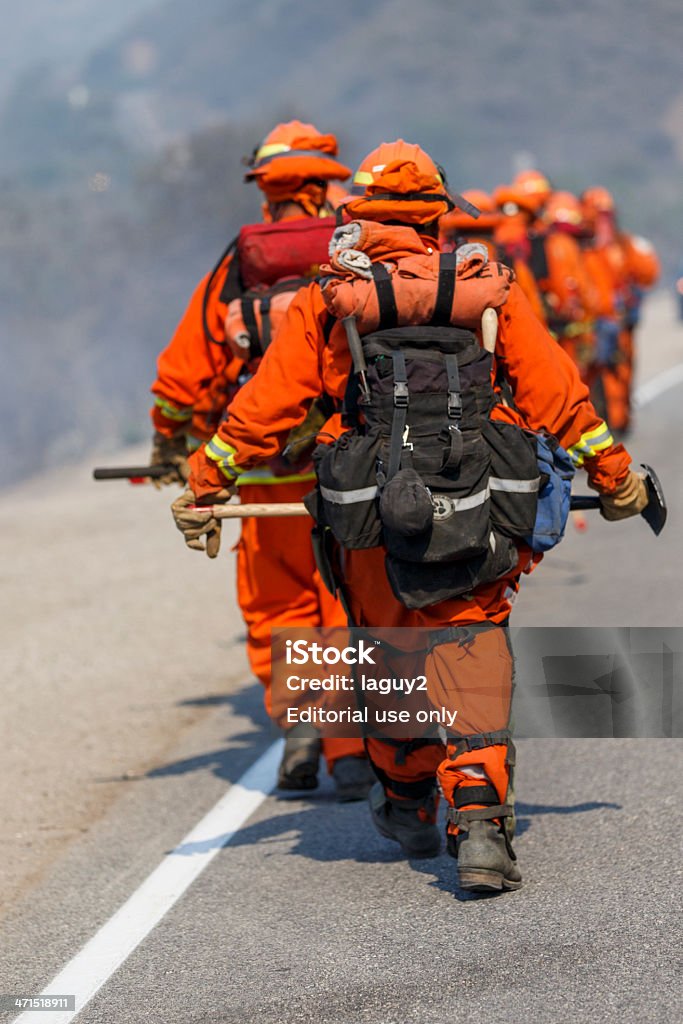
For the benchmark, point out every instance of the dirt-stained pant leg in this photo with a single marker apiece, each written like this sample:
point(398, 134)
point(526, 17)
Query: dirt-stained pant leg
point(470, 671)
point(278, 584)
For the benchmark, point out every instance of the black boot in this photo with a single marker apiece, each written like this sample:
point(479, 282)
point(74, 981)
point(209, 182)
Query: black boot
point(401, 821)
point(486, 860)
point(300, 758)
point(353, 778)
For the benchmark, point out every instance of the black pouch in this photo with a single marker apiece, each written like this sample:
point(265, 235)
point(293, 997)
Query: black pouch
point(347, 488)
point(515, 479)
point(460, 522)
point(406, 505)
point(420, 585)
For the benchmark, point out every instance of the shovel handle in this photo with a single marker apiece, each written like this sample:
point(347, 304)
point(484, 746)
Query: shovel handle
point(132, 472)
point(246, 511)
point(297, 508)
point(583, 502)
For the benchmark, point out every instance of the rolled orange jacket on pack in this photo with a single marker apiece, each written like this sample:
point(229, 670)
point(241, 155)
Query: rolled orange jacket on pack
point(414, 262)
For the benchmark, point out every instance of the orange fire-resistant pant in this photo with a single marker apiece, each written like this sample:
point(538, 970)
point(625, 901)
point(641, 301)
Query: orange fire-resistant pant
point(278, 584)
point(471, 675)
point(617, 382)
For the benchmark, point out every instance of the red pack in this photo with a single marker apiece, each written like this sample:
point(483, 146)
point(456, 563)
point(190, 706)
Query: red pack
point(292, 248)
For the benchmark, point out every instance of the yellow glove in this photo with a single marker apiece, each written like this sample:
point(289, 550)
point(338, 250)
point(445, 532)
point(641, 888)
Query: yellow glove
point(197, 523)
point(171, 450)
point(629, 499)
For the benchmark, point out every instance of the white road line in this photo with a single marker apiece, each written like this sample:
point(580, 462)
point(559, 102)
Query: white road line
point(653, 388)
point(124, 931)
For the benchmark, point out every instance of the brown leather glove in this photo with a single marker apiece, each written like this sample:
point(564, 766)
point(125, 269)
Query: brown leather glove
point(195, 523)
point(171, 450)
point(629, 499)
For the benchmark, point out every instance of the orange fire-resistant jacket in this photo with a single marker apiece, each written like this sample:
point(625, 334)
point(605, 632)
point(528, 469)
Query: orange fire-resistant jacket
point(569, 293)
point(195, 376)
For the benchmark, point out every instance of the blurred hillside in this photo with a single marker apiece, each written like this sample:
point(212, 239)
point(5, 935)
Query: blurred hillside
point(120, 153)
point(42, 30)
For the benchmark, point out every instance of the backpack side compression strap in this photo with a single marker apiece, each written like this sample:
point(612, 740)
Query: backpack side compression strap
point(249, 317)
point(388, 313)
point(400, 417)
point(446, 289)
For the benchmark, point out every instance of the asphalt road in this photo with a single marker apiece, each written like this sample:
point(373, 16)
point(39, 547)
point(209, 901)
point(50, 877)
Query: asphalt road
point(307, 915)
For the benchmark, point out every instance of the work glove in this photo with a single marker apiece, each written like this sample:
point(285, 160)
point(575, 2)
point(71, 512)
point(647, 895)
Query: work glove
point(171, 450)
point(629, 499)
point(196, 523)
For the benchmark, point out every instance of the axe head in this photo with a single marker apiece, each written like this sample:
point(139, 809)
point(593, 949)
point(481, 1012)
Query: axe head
point(655, 511)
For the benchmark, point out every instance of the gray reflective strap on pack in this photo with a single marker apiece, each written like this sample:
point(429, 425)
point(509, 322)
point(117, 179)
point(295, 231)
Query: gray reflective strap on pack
point(348, 497)
point(497, 483)
point(400, 417)
point(455, 452)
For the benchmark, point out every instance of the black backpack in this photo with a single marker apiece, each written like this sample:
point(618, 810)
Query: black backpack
point(423, 469)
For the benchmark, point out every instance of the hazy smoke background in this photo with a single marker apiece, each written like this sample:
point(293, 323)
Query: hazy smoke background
point(122, 128)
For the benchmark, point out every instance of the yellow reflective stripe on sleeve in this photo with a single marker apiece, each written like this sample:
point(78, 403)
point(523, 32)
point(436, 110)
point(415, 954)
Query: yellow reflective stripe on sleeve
point(590, 443)
point(173, 412)
point(223, 455)
point(577, 328)
point(264, 476)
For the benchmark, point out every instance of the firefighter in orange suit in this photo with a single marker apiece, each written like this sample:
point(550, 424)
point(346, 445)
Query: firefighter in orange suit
point(628, 266)
point(210, 355)
point(458, 226)
point(399, 184)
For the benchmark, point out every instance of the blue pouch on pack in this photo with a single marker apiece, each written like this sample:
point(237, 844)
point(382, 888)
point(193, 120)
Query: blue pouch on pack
point(554, 497)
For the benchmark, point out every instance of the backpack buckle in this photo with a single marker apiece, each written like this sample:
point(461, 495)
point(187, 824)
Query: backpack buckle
point(454, 405)
point(401, 394)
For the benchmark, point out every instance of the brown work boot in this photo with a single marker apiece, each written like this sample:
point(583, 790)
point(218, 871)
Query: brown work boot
point(353, 778)
point(300, 759)
point(411, 823)
point(486, 860)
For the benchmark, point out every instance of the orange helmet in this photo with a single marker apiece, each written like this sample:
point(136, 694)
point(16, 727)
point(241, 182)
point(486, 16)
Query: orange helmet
point(535, 187)
point(511, 200)
point(461, 222)
point(290, 157)
point(399, 181)
point(597, 200)
point(563, 210)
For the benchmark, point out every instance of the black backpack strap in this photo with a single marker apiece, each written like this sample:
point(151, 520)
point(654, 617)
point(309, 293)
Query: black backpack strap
point(328, 326)
point(249, 317)
point(538, 260)
point(266, 332)
point(455, 439)
point(388, 313)
point(400, 417)
point(446, 289)
point(233, 276)
point(232, 286)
